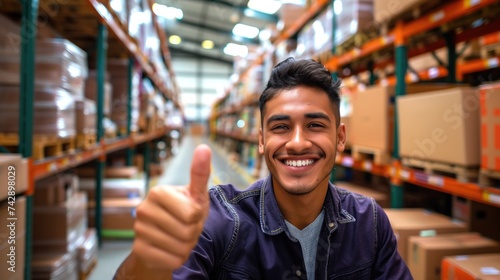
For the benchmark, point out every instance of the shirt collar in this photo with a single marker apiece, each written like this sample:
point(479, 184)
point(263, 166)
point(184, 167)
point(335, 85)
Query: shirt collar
point(272, 221)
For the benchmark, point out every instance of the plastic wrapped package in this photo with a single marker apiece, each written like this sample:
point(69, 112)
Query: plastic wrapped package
point(119, 104)
point(58, 63)
point(87, 251)
point(54, 111)
point(355, 16)
point(91, 90)
point(86, 116)
point(51, 266)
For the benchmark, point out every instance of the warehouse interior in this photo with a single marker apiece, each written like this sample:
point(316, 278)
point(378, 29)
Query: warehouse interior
point(104, 100)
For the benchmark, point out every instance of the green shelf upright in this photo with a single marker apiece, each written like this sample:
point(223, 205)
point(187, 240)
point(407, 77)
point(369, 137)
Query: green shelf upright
point(29, 16)
point(401, 53)
point(130, 151)
point(101, 49)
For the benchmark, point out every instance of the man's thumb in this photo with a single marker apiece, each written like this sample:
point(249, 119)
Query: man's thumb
point(200, 172)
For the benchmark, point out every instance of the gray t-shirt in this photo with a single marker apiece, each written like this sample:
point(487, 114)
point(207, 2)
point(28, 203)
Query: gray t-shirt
point(308, 239)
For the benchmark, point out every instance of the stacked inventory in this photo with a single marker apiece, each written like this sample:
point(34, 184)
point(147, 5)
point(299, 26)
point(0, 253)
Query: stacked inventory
point(413, 131)
point(68, 246)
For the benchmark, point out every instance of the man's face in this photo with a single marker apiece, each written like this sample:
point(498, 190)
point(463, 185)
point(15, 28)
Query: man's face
point(299, 139)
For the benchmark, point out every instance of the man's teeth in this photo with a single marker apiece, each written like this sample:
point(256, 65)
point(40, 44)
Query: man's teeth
point(299, 163)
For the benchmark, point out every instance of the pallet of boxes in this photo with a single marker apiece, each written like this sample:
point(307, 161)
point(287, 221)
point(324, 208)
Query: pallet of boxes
point(64, 247)
point(122, 191)
point(60, 73)
point(426, 238)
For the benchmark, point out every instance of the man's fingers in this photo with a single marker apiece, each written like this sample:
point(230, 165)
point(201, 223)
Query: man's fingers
point(200, 172)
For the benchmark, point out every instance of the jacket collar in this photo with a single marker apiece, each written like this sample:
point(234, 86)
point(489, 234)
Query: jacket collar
point(273, 223)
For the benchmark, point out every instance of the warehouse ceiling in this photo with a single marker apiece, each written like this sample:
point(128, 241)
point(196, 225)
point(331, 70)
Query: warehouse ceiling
point(211, 20)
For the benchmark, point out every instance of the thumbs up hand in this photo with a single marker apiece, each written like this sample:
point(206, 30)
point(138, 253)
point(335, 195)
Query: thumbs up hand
point(170, 219)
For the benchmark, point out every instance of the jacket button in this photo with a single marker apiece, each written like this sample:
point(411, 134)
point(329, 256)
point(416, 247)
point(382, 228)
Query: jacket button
point(298, 272)
point(331, 225)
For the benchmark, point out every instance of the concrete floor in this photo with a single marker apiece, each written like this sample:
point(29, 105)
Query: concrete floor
point(113, 252)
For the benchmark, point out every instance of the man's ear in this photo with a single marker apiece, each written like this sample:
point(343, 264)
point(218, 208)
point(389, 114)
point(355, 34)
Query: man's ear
point(261, 142)
point(341, 137)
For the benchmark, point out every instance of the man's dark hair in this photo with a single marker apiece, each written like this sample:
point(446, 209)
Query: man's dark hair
point(292, 73)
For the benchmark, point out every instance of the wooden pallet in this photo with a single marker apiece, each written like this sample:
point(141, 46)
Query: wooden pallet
point(377, 156)
point(86, 141)
point(461, 173)
point(44, 146)
point(489, 178)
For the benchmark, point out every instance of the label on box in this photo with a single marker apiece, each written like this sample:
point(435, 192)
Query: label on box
point(405, 174)
point(436, 180)
point(367, 166)
point(433, 72)
point(427, 233)
point(492, 63)
point(437, 16)
point(347, 162)
point(490, 270)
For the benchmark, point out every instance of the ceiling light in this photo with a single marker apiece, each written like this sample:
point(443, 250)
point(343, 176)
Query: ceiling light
point(265, 34)
point(236, 50)
point(207, 44)
point(244, 30)
point(167, 12)
point(175, 40)
point(265, 6)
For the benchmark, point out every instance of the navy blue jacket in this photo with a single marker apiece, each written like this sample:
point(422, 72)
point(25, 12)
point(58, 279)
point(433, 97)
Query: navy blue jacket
point(245, 237)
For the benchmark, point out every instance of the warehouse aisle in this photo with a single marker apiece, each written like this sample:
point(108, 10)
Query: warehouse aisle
point(223, 171)
point(113, 252)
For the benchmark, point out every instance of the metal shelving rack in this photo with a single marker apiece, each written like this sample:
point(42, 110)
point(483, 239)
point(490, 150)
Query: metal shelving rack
point(50, 166)
point(397, 40)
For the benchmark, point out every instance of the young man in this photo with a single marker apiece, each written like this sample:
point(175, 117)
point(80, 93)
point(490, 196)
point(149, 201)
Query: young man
point(292, 225)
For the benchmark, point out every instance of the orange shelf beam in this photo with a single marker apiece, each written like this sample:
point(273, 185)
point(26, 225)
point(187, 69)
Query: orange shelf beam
point(43, 168)
point(444, 184)
point(477, 65)
point(426, 75)
point(449, 185)
point(313, 10)
point(368, 48)
point(449, 12)
point(363, 165)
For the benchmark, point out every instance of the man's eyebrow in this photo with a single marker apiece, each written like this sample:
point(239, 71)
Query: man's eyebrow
point(317, 115)
point(278, 117)
point(282, 117)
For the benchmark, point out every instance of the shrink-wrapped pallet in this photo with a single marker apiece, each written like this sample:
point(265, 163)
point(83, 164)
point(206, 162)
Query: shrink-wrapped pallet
point(58, 63)
point(53, 114)
point(86, 116)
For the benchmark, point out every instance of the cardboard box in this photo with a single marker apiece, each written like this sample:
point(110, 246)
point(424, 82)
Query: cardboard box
point(86, 116)
point(490, 122)
point(386, 10)
point(87, 252)
point(13, 174)
point(381, 198)
point(115, 188)
point(419, 222)
point(109, 172)
point(50, 191)
point(49, 265)
point(426, 253)
point(68, 222)
point(471, 267)
point(372, 118)
point(117, 213)
point(440, 126)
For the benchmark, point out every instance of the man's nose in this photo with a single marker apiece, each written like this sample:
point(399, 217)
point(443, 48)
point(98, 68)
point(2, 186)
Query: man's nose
point(299, 140)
